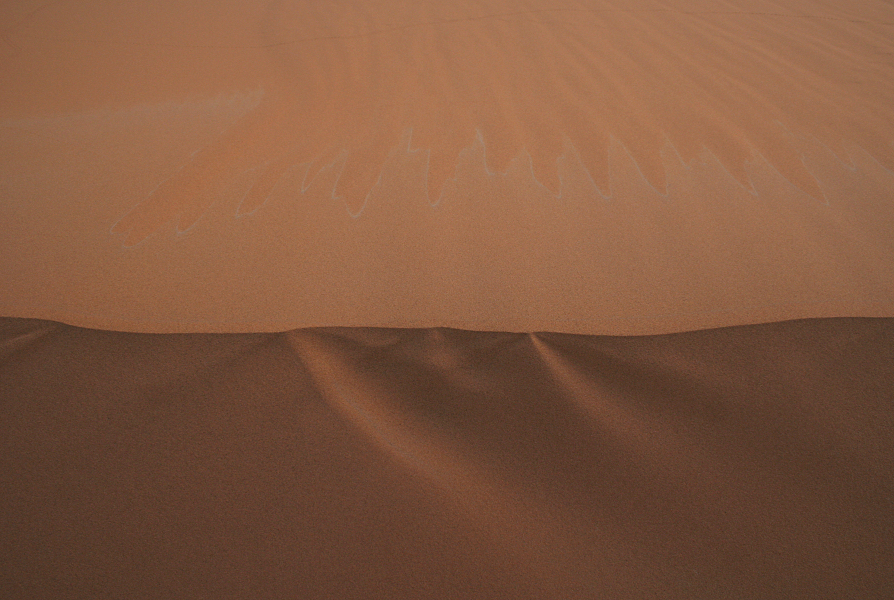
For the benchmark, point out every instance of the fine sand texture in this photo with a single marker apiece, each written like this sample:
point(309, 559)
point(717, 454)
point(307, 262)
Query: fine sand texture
point(598, 167)
point(752, 462)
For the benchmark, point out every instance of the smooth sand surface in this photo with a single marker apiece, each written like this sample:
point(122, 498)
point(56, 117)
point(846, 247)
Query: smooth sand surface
point(584, 167)
point(745, 462)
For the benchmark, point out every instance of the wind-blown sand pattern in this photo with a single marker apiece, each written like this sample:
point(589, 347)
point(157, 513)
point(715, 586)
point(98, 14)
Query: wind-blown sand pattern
point(369, 232)
point(590, 167)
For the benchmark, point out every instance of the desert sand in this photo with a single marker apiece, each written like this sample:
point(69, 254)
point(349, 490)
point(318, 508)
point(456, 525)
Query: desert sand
point(744, 462)
point(583, 167)
point(454, 299)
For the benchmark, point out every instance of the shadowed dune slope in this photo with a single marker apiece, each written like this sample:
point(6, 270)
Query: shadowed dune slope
point(744, 462)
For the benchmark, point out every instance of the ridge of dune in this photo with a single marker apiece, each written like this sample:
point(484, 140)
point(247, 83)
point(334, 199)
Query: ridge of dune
point(752, 461)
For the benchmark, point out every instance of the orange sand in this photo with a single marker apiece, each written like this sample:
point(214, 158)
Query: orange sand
point(261, 168)
point(588, 167)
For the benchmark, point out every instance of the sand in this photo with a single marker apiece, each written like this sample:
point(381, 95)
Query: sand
point(455, 299)
point(581, 167)
point(745, 462)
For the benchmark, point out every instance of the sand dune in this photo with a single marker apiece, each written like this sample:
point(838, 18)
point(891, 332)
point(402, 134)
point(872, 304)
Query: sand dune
point(237, 174)
point(590, 167)
point(751, 462)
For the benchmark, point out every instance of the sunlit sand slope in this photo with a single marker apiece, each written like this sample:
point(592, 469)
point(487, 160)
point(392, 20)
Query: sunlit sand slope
point(590, 167)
